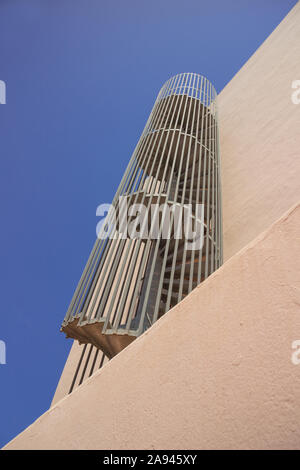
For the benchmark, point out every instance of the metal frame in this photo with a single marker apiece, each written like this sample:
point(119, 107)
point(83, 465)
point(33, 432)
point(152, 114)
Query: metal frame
point(128, 284)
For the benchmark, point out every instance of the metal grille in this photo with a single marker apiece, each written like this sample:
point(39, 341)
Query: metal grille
point(128, 283)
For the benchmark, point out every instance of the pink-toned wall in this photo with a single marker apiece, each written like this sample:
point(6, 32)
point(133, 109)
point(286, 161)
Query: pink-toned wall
point(68, 372)
point(260, 138)
point(215, 372)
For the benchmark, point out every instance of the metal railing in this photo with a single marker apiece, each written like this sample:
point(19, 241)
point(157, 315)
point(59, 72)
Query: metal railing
point(128, 283)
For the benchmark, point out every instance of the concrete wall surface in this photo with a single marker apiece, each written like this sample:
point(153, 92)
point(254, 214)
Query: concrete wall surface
point(216, 372)
point(260, 138)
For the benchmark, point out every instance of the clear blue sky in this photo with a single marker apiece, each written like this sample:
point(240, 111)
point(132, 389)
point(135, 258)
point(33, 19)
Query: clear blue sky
point(81, 79)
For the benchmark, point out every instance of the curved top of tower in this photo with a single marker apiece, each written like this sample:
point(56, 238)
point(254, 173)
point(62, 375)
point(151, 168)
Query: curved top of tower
point(191, 84)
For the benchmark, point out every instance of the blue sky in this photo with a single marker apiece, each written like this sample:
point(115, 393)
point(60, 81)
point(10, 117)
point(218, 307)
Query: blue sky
point(81, 79)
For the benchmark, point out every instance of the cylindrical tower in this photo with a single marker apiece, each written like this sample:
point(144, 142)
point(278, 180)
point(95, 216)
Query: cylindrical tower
point(163, 233)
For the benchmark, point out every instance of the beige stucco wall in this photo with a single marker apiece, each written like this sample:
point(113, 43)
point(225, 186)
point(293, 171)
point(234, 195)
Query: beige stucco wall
point(68, 372)
point(214, 372)
point(260, 138)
